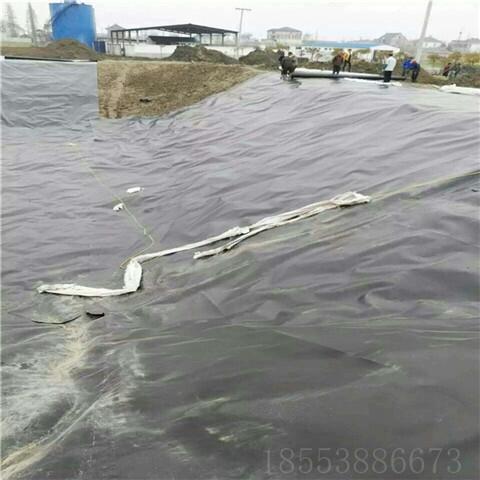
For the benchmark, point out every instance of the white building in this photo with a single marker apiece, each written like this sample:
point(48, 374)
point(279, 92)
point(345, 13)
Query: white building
point(471, 45)
point(286, 35)
point(396, 39)
point(430, 43)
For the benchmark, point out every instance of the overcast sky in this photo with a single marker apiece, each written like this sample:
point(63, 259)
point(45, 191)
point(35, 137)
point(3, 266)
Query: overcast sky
point(330, 19)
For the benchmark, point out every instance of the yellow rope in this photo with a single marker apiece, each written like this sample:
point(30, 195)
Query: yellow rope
point(152, 240)
point(129, 212)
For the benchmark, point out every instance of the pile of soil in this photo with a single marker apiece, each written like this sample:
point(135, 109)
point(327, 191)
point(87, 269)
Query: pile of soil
point(62, 49)
point(266, 58)
point(146, 88)
point(199, 53)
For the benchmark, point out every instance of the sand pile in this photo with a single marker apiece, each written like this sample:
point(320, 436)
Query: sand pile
point(200, 54)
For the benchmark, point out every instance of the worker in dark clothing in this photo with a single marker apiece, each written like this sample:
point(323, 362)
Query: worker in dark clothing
point(407, 63)
point(347, 60)
point(281, 56)
point(337, 63)
point(454, 71)
point(446, 69)
point(289, 64)
point(415, 69)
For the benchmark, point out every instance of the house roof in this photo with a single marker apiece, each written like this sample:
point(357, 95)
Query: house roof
point(431, 39)
point(285, 29)
point(392, 34)
point(330, 44)
point(464, 43)
point(115, 26)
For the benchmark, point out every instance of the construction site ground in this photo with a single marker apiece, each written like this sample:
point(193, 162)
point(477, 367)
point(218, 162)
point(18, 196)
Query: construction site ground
point(151, 88)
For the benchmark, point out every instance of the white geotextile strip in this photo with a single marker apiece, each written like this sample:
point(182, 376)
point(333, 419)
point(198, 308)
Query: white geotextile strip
point(133, 272)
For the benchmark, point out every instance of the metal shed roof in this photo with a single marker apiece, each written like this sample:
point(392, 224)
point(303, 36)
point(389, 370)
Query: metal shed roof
point(185, 28)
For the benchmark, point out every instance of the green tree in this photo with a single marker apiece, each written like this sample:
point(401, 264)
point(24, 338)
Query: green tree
point(472, 58)
point(435, 58)
point(454, 57)
point(313, 53)
point(361, 51)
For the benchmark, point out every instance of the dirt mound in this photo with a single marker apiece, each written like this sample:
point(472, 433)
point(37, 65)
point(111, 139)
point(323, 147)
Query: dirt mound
point(67, 48)
point(199, 53)
point(63, 49)
point(130, 88)
point(267, 58)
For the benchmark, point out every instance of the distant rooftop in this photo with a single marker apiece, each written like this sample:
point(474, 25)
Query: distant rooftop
point(432, 39)
point(468, 41)
point(184, 28)
point(115, 26)
point(285, 29)
point(392, 35)
point(330, 44)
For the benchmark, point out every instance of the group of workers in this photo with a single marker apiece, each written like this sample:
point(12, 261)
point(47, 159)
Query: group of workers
point(343, 61)
point(451, 70)
point(288, 63)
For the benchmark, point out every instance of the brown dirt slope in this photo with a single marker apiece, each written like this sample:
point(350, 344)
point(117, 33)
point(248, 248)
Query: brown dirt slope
point(166, 86)
point(266, 58)
point(200, 54)
point(62, 49)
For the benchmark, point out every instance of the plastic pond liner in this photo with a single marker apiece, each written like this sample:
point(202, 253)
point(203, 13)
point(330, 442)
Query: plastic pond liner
point(343, 345)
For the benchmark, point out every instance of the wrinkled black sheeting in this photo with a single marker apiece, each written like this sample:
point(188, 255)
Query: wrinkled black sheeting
point(37, 94)
point(356, 329)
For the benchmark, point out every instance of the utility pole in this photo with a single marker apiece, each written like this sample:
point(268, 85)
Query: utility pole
point(11, 22)
point(240, 27)
point(32, 24)
point(418, 54)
